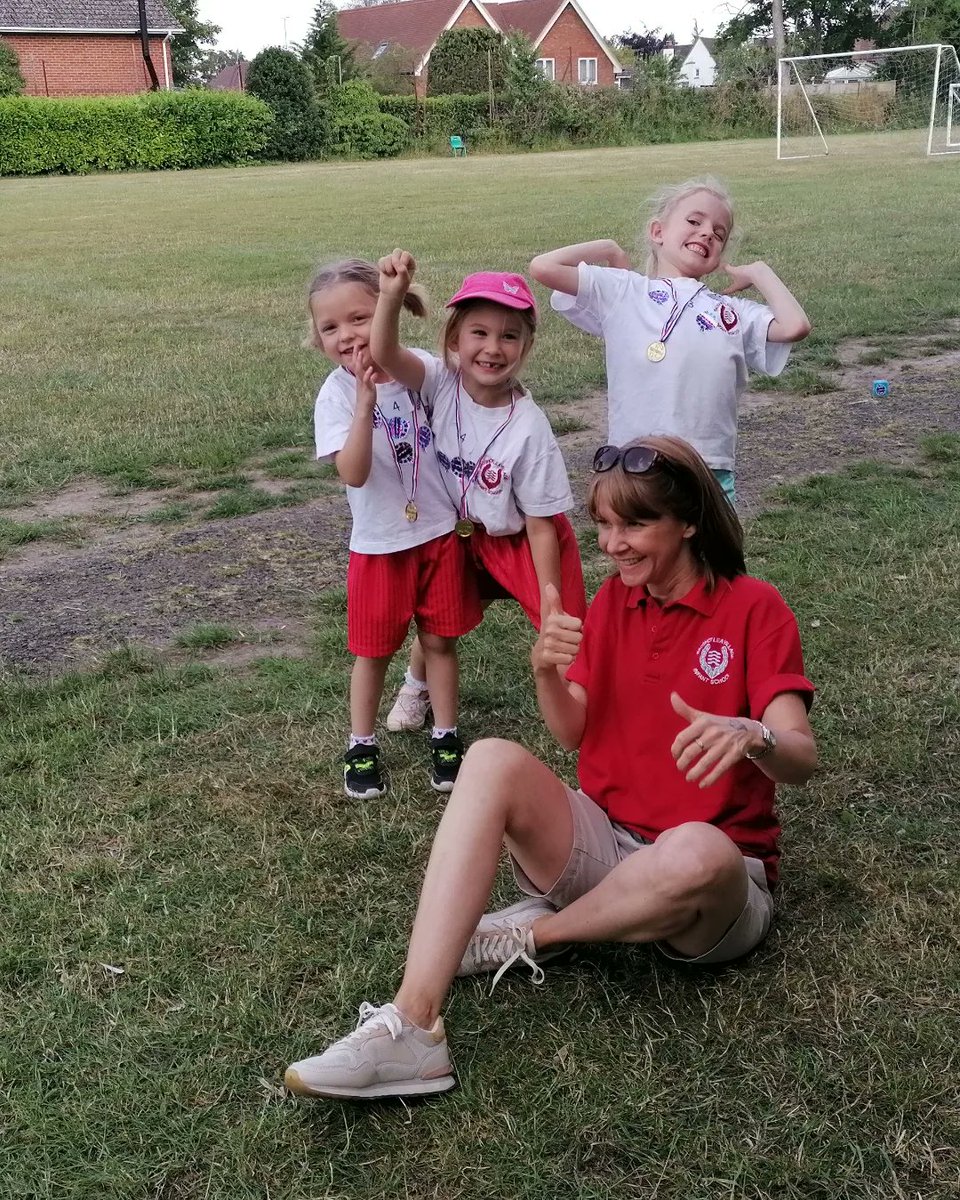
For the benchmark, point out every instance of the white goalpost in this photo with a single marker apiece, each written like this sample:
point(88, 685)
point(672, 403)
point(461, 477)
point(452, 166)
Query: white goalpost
point(821, 97)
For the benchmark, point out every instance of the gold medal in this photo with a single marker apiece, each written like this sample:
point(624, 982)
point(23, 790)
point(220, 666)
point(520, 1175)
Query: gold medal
point(464, 527)
point(410, 512)
point(657, 351)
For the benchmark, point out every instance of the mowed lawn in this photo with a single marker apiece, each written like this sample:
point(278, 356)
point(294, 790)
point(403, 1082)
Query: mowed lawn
point(188, 902)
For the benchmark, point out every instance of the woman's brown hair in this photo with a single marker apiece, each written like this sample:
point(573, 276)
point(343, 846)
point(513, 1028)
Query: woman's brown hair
point(678, 484)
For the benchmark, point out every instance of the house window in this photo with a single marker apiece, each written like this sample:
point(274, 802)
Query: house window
point(381, 49)
point(546, 68)
point(587, 68)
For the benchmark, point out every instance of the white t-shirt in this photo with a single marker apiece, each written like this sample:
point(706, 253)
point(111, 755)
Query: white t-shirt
point(693, 392)
point(377, 508)
point(521, 473)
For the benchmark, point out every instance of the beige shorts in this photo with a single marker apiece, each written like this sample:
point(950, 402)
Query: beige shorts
point(600, 844)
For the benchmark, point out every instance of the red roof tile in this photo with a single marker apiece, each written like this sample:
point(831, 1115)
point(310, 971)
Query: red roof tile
point(415, 24)
point(528, 17)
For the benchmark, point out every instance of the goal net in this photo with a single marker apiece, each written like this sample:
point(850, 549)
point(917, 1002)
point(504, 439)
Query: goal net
point(910, 93)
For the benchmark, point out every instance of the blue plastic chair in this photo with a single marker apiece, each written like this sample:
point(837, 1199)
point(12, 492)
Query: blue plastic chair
point(458, 146)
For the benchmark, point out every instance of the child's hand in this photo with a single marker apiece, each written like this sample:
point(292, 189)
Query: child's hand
point(618, 257)
point(396, 273)
point(741, 277)
point(362, 364)
point(560, 634)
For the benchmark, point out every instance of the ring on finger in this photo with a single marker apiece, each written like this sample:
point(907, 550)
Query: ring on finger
point(700, 744)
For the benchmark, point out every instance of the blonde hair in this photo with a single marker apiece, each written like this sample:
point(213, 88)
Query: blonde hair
point(666, 200)
point(367, 274)
point(679, 484)
point(460, 312)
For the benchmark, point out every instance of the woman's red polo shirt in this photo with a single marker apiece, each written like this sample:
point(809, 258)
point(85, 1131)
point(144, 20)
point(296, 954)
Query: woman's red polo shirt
point(730, 652)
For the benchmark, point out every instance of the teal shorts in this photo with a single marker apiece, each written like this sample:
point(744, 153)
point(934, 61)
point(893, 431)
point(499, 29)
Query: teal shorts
point(726, 481)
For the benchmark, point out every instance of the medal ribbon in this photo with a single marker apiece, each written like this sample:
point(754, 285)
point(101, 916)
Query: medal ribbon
point(676, 312)
point(415, 478)
point(465, 486)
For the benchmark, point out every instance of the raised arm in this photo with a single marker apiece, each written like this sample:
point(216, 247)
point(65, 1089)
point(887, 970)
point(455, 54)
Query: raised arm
point(557, 269)
point(563, 705)
point(396, 275)
point(790, 322)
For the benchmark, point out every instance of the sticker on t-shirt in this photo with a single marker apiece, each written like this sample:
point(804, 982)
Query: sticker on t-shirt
point(704, 322)
point(658, 296)
point(713, 661)
point(728, 318)
point(491, 476)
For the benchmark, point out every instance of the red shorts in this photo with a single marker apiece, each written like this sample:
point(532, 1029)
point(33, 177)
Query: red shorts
point(506, 570)
point(433, 584)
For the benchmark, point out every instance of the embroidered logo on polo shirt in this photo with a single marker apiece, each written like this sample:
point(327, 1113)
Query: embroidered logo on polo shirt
point(713, 661)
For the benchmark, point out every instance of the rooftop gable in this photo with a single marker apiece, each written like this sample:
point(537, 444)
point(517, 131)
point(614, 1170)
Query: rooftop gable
point(415, 24)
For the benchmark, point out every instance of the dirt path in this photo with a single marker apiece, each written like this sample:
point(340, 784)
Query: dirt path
point(134, 583)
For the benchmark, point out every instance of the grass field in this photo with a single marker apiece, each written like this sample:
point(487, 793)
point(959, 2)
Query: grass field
point(188, 900)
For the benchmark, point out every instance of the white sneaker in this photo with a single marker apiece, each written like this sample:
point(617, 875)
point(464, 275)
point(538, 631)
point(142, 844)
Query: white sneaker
point(504, 939)
point(409, 710)
point(384, 1056)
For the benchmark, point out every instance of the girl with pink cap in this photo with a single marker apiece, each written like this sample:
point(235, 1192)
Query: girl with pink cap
point(498, 456)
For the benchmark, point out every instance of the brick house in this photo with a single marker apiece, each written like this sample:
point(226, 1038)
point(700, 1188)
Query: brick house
point(569, 48)
point(87, 47)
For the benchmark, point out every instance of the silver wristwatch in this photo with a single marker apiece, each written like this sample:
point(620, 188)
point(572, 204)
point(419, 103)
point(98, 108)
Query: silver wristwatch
point(769, 744)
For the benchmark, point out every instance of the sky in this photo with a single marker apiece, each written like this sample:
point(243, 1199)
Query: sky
point(249, 25)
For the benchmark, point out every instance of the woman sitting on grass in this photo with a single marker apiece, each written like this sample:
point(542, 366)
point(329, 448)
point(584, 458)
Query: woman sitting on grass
point(686, 697)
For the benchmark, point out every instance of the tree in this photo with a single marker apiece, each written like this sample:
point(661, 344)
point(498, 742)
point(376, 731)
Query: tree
point(285, 83)
point(389, 71)
point(467, 62)
point(816, 26)
point(215, 60)
point(645, 43)
point(324, 51)
point(12, 82)
point(191, 47)
point(922, 21)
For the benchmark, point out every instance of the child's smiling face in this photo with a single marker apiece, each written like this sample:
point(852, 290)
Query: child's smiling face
point(342, 315)
point(691, 239)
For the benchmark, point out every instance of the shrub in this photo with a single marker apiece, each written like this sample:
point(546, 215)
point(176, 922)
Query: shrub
point(468, 60)
point(437, 117)
point(148, 132)
point(358, 129)
point(12, 82)
point(285, 83)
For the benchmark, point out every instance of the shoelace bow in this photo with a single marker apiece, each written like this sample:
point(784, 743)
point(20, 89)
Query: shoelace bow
point(383, 1015)
point(494, 945)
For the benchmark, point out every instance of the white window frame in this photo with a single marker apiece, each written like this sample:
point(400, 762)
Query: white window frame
point(580, 72)
point(548, 73)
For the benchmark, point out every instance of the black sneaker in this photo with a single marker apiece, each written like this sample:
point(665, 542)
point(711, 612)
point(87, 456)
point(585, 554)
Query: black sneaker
point(362, 778)
point(447, 754)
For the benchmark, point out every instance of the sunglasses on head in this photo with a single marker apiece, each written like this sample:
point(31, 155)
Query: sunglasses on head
point(635, 460)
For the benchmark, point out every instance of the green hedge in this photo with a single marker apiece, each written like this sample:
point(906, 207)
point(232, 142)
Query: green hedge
point(153, 131)
point(438, 117)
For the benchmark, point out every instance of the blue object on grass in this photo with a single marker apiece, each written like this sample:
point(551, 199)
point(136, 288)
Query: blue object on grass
point(880, 388)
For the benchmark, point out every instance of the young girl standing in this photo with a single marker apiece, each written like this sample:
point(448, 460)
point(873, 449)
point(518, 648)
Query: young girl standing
point(498, 456)
point(677, 353)
point(405, 560)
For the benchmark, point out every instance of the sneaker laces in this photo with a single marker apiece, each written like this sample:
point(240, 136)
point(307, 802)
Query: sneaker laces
point(371, 1015)
point(497, 944)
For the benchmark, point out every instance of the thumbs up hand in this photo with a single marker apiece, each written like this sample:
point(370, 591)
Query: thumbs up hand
point(560, 634)
point(710, 745)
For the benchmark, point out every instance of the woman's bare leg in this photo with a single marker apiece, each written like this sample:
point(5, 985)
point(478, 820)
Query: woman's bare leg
point(687, 888)
point(502, 790)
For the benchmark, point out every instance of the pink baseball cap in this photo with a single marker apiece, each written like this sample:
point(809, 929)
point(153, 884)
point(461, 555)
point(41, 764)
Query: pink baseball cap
point(501, 287)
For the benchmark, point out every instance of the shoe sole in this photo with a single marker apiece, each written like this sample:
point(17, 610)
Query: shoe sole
point(442, 785)
point(410, 1087)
